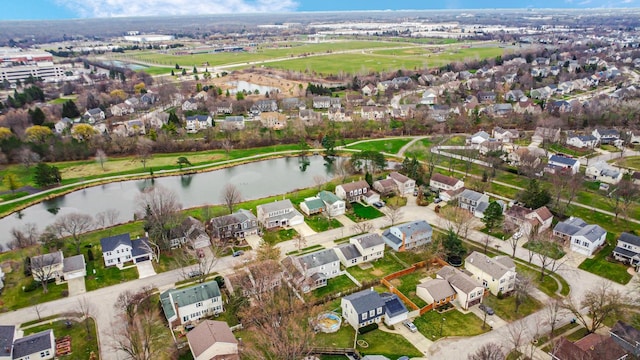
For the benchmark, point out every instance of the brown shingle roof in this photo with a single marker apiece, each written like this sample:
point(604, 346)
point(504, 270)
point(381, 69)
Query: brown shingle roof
point(443, 179)
point(207, 333)
point(361, 184)
point(544, 213)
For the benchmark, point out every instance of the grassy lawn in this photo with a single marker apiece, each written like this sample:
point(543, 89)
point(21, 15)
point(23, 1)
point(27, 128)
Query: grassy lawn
point(578, 334)
point(277, 236)
point(599, 265)
point(343, 338)
point(547, 285)
point(335, 285)
point(391, 146)
point(107, 276)
point(390, 345)
point(82, 343)
point(420, 149)
point(13, 297)
point(569, 151)
point(360, 212)
point(320, 223)
point(407, 285)
point(456, 324)
point(169, 261)
point(381, 267)
point(397, 201)
point(505, 308)
point(554, 251)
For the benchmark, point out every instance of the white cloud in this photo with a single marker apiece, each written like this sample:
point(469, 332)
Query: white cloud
point(120, 8)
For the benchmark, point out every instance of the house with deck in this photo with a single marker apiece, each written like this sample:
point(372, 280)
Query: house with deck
point(368, 307)
point(311, 271)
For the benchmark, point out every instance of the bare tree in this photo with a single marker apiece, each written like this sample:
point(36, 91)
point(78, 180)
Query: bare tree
point(144, 149)
point(159, 207)
point(101, 158)
point(458, 219)
point(365, 227)
point(227, 145)
point(107, 218)
point(300, 241)
point(24, 237)
point(268, 251)
point(597, 305)
point(73, 226)
point(38, 308)
point(393, 213)
point(231, 196)
point(319, 181)
point(204, 264)
point(552, 313)
point(486, 240)
point(521, 290)
point(44, 268)
point(27, 157)
point(488, 351)
point(517, 336)
point(87, 310)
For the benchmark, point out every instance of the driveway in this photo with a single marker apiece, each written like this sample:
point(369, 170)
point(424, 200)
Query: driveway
point(304, 229)
point(417, 339)
point(254, 241)
point(76, 286)
point(345, 221)
point(145, 269)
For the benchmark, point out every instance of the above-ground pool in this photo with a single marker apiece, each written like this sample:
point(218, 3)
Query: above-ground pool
point(329, 322)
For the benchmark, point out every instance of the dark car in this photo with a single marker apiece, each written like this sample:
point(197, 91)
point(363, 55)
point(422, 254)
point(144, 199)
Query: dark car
point(195, 273)
point(486, 309)
point(238, 253)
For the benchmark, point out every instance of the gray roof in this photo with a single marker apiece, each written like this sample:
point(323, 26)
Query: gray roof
point(482, 206)
point(236, 118)
point(7, 333)
point(198, 117)
point(188, 296)
point(482, 134)
point(458, 279)
point(47, 259)
point(387, 183)
point(626, 332)
point(591, 232)
point(629, 238)
point(393, 306)
point(32, 344)
point(276, 206)
point(318, 258)
point(493, 267)
point(365, 300)
point(570, 226)
point(608, 132)
point(349, 251)
point(354, 185)
point(140, 247)
point(438, 288)
point(415, 227)
point(471, 195)
point(399, 177)
point(73, 263)
point(369, 240)
point(239, 216)
point(375, 357)
point(563, 160)
point(392, 238)
point(112, 242)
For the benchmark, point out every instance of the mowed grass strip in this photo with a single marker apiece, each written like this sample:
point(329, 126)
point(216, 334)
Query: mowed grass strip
point(391, 146)
point(455, 324)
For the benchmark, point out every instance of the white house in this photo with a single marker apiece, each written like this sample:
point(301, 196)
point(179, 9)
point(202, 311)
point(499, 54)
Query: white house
point(192, 303)
point(63, 124)
point(439, 182)
point(479, 137)
point(472, 200)
point(497, 274)
point(429, 97)
point(119, 249)
point(279, 213)
point(40, 346)
point(213, 340)
point(582, 141)
point(196, 123)
point(607, 136)
point(603, 172)
point(333, 204)
point(360, 249)
point(584, 238)
point(405, 184)
point(408, 236)
point(564, 163)
point(505, 135)
point(627, 249)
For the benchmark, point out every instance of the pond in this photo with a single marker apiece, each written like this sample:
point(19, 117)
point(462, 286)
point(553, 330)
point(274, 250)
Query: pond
point(254, 180)
point(122, 64)
point(250, 87)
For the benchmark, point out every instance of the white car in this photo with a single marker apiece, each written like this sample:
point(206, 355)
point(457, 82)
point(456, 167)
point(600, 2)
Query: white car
point(517, 235)
point(410, 326)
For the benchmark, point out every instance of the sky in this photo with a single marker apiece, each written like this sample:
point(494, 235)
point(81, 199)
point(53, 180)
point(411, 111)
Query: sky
point(72, 9)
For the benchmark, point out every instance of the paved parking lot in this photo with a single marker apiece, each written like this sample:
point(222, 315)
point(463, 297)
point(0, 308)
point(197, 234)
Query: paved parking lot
point(145, 269)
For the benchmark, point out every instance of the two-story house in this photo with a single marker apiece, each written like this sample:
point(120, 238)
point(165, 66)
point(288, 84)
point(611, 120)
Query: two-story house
point(311, 271)
point(213, 340)
point(280, 213)
point(408, 236)
point(273, 120)
point(265, 105)
point(505, 135)
point(607, 136)
point(627, 249)
point(94, 115)
point(353, 191)
point(7, 334)
point(191, 303)
point(255, 279)
point(238, 225)
point(367, 307)
point(385, 186)
point(527, 220)
point(360, 249)
point(405, 184)
point(223, 107)
point(40, 346)
point(196, 123)
point(334, 206)
point(451, 284)
point(119, 249)
point(472, 200)
point(233, 122)
point(321, 102)
point(446, 186)
point(497, 274)
point(47, 267)
point(558, 164)
point(582, 141)
point(584, 238)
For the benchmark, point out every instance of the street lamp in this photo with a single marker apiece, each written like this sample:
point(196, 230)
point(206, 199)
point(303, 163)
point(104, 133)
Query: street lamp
point(442, 325)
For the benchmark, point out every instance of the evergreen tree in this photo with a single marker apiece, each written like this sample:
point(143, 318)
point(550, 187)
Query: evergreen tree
point(493, 216)
point(533, 196)
point(37, 116)
point(46, 175)
point(70, 110)
point(368, 178)
point(173, 119)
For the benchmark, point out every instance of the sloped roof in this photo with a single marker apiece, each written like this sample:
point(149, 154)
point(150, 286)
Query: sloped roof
point(392, 304)
point(73, 263)
point(32, 344)
point(207, 334)
point(399, 177)
point(318, 258)
point(415, 227)
point(314, 203)
point(49, 259)
point(570, 226)
point(443, 179)
point(349, 251)
point(591, 232)
point(276, 205)
point(563, 160)
point(471, 195)
point(386, 183)
point(458, 279)
point(365, 300)
point(544, 213)
point(188, 296)
point(626, 332)
point(438, 288)
point(630, 238)
point(328, 197)
point(112, 242)
point(368, 240)
point(361, 184)
point(140, 247)
point(7, 332)
point(493, 267)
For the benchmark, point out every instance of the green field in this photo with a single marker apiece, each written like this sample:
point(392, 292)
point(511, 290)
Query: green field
point(391, 146)
point(350, 63)
point(631, 162)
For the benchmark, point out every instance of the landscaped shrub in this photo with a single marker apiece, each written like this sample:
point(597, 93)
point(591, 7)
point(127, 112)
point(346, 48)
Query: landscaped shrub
point(65, 293)
point(90, 255)
point(32, 286)
point(365, 329)
point(27, 266)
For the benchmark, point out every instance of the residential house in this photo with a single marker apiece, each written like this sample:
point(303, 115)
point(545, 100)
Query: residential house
point(192, 303)
point(565, 87)
point(354, 99)
point(441, 183)
point(321, 102)
point(223, 107)
point(634, 137)
point(559, 106)
point(94, 115)
point(273, 120)
point(367, 307)
point(607, 136)
point(74, 267)
point(429, 97)
point(497, 274)
point(436, 292)
point(309, 117)
point(471, 200)
point(333, 204)
point(238, 225)
point(514, 95)
point(340, 114)
point(233, 122)
point(119, 249)
point(563, 163)
point(311, 206)
point(385, 187)
point(7, 334)
point(526, 156)
point(372, 112)
point(591, 347)
point(469, 292)
point(603, 172)
point(584, 238)
point(401, 81)
point(635, 177)
point(311, 271)
point(490, 145)
point(369, 90)
point(479, 137)
point(148, 98)
point(265, 105)
point(582, 141)
point(527, 220)
point(292, 103)
point(213, 340)
point(408, 236)
point(121, 109)
point(40, 346)
point(405, 184)
point(505, 135)
point(191, 232)
point(255, 279)
point(440, 113)
point(627, 337)
point(627, 249)
point(196, 123)
point(540, 61)
point(360, 249)
point(63, 124)
point(542, 93)
point(279, 213)
point(191, 104)
point(47, 267)
point(500, 110)
point(487, 96)
point(526, 107)
point(353, 191)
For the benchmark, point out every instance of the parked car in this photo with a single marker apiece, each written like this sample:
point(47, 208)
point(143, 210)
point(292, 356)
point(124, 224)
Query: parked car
point(409, 325)
point(238, 253)
point(378, 204)
point(415, 192)
point(195, 273)
point(437, 200)
point(486, 309)
point(189, 327)
point(517, 235)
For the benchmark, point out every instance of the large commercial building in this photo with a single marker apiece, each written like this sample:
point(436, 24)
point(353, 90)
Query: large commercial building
point(46, 70)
